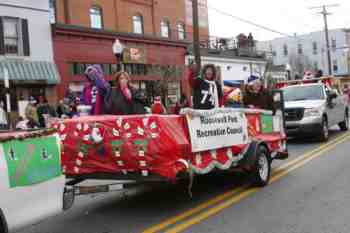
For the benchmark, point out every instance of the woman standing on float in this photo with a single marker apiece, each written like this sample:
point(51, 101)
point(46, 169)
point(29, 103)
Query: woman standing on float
point(207, 91)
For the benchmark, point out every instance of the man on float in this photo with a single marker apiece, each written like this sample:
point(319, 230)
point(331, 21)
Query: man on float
point(256, 96)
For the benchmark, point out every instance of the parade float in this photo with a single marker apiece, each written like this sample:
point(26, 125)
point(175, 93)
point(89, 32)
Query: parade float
point(171, 147)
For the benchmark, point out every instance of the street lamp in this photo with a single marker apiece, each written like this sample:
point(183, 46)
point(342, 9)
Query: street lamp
point(118, 49)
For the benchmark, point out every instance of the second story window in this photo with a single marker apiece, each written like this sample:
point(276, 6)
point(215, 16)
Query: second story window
point(11, 36)
point(14, 36)
point(285, 50)
point(300, 49)
point(138, 24)
point(96, 17)
point(314, 48)
point(165, 29)
point(181, 31)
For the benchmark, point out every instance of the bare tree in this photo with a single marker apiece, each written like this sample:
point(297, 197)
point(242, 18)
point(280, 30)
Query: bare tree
point(167, 74)
point(299, 63)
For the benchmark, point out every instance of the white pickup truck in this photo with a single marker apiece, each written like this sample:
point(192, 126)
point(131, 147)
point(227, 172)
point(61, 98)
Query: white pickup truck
point(312, 108)
point(32, 185)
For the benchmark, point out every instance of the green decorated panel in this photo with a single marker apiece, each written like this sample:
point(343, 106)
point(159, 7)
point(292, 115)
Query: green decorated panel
point(32, 161)
point(266, 123)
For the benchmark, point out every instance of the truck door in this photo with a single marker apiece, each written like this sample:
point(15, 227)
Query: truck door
point(333, 107)
point(31, 181)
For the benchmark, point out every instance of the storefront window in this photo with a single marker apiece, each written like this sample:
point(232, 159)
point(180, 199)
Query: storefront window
point(132, 69)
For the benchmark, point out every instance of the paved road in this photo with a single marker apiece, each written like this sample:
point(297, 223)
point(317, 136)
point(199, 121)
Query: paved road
point(312, 198)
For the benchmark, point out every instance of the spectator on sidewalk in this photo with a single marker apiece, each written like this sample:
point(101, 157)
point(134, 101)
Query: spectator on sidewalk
point(157, 106)
point(44, 111)
point(31, 113)
point(62, 109)
point(183, 103)
point(3, 117)
point(346, 92)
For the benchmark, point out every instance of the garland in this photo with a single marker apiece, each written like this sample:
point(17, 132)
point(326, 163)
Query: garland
point(23, 135)
point(209, 113)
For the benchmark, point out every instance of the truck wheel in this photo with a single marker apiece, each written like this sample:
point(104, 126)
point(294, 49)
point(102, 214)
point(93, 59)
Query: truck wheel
point(262, 168)
point(324, 134)
point(344, 126)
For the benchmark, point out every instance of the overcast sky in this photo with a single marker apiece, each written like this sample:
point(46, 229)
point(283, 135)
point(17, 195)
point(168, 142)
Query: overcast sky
point(288, 16)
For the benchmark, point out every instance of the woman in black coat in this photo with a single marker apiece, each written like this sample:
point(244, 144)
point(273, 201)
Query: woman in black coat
point(123, 99)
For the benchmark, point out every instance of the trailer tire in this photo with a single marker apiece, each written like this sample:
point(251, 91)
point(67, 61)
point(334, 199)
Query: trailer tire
point(344, 125)
point(3, 224)
point(262, 168)
point(324, 131)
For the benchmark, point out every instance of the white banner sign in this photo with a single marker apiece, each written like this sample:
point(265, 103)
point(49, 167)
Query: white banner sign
point(217, 129)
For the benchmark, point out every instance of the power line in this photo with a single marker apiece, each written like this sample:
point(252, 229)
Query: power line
point(249, 22)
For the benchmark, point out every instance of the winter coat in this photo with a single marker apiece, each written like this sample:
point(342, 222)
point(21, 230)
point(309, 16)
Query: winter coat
point(31, 113)
point(202, 98)
point(260, 100)
point(94, 95)
point(117, 104)
point(42, 110)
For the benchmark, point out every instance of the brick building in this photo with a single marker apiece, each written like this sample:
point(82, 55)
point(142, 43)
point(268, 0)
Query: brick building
point(159, 30)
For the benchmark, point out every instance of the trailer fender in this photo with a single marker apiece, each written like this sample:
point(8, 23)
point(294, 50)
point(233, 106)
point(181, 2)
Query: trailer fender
point(250, 155)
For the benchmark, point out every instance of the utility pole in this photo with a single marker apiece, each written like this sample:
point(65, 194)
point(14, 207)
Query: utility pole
point(196, 45)
point(325, 14)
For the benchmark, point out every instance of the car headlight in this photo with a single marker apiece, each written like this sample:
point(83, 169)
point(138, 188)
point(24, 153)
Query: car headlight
point(312, 112)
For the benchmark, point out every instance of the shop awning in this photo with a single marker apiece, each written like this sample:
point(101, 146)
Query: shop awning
point(30, 71)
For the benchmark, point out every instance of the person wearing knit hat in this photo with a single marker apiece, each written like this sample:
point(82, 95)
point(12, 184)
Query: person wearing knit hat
point(95, 89)
point(256, 96)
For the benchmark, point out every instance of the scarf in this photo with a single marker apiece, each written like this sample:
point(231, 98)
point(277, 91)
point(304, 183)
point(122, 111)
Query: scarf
point(213, 91)
point(127, 93)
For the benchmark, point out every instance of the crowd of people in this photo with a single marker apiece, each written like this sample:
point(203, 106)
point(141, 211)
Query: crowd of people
point(208, 92)
point(99, 97)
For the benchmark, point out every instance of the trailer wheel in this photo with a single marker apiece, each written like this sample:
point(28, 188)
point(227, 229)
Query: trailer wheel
point(344, 126)
point(262, 168)
point(324, 134)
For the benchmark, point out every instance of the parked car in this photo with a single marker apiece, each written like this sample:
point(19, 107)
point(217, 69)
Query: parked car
point(312, 108)
point(32, 185)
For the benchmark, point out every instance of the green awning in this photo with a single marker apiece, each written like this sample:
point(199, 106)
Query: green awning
point(30, 71)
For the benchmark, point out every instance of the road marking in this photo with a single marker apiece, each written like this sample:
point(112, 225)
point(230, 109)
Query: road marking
point(235, 199)
point(195, 210)
point(237, 194)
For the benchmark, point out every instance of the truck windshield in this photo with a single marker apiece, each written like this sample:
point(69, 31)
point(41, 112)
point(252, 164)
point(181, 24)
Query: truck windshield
point(300, 93)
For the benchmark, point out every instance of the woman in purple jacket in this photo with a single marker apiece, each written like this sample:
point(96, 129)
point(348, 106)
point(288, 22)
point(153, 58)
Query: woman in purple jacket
point(95, 90)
